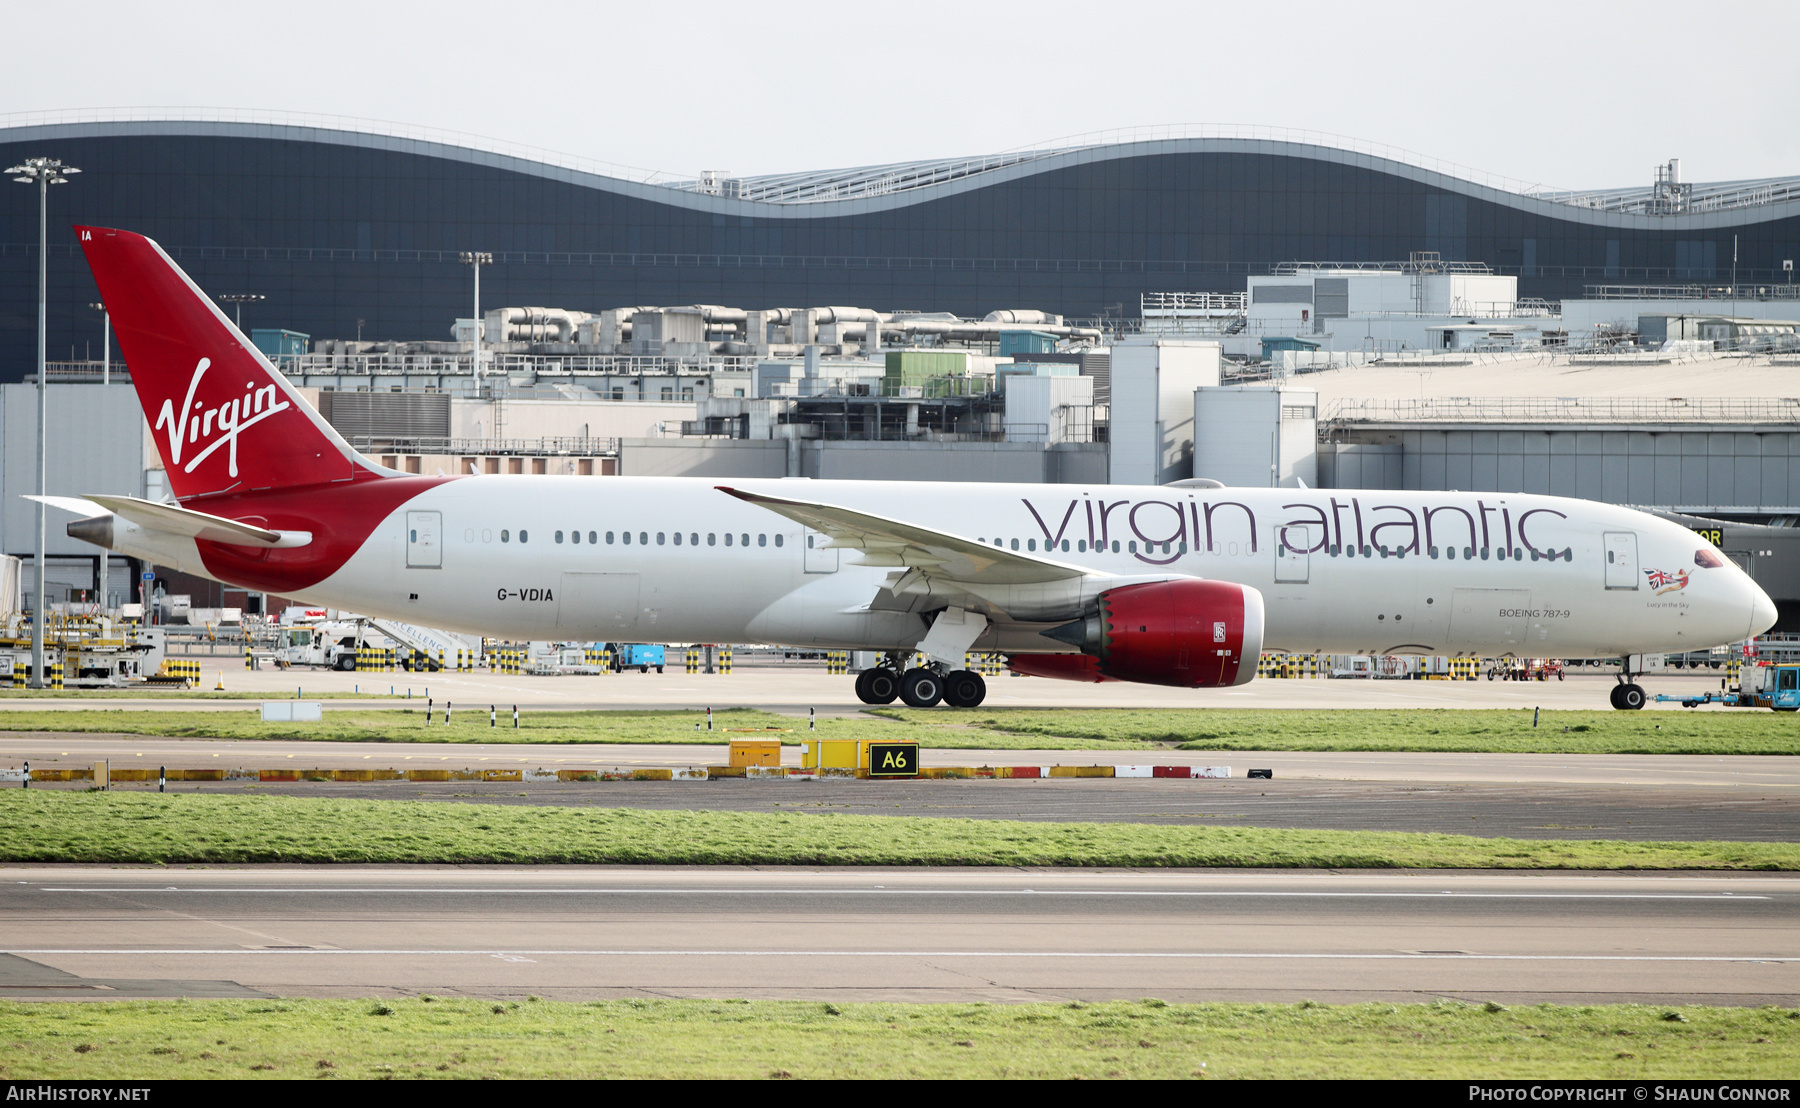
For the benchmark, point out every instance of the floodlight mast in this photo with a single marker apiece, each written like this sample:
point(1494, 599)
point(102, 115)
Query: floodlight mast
point(239, 299)
point(475, 259)
point(42, 172)
point(100, 586)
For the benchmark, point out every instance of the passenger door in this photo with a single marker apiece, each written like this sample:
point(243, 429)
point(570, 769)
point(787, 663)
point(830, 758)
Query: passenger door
point(819, 559)
point(1293, 563)
point(1621, 560)
point(424, 540)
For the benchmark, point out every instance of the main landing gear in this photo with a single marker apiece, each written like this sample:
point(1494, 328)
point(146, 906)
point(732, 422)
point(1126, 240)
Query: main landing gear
point(921, 687)
point(1627, 695)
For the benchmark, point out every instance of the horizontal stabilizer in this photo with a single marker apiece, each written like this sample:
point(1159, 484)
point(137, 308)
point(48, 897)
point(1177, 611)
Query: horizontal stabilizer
point(171, 520)
point(74, 504)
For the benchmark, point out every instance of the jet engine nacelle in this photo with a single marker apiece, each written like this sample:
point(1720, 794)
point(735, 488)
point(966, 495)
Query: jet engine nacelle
point(1188, 633)
point(1059, 667)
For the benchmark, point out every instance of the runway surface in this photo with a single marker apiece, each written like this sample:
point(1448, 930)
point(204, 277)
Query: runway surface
point(1013, 935)
point(793, 690)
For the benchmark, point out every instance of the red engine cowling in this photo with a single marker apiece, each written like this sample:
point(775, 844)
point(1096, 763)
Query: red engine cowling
point(1192, 634)
point(1062, 667)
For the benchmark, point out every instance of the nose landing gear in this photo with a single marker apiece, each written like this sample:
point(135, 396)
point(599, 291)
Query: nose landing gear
point(1627, 695)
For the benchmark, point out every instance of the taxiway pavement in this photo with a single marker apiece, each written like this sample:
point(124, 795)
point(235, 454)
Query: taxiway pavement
point(911, 935)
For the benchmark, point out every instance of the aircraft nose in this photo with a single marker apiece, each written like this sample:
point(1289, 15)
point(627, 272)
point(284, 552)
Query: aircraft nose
point(1762, 611)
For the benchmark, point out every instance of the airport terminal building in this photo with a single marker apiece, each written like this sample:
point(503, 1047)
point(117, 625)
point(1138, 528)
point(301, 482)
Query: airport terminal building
point(355, 232)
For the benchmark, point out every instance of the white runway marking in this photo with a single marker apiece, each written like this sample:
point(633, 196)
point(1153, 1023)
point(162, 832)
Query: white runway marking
point(1777, 959)
point(466, 891)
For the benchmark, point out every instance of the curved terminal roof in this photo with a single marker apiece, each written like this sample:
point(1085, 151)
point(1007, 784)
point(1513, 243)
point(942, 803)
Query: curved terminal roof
point(860, 190)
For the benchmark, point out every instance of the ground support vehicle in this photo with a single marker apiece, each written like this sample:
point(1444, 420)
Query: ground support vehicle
point(1525, 669)
point(638, 656)
point(1760, 686)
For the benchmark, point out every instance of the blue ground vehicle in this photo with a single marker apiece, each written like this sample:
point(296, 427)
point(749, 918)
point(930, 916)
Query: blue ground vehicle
point(1760, 686)
point(638, 656)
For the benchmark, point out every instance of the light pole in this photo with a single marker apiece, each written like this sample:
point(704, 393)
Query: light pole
point(42, 172)
point(475, 260)
point(240, 299)
point(105, 380)
point(105, 344)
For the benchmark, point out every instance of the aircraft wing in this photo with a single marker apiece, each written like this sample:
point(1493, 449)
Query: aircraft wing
point(931, 554)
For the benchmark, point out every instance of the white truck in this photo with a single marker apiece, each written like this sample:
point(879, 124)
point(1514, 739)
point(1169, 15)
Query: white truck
point(330, 643)
point(321, 637)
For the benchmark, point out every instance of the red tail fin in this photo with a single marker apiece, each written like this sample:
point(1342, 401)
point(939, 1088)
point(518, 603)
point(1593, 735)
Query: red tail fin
point(223, 418)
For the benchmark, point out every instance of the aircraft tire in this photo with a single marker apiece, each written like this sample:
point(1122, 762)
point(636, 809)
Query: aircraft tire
point(1613, 696)
point(921, 688)
point(877, 686)
point(964, 689)
point(1631, 697)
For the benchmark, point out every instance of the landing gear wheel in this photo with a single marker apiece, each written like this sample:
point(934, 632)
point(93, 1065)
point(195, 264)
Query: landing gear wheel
point(1628, 697)
point(877, 686)
point(964, 689)
point(921, 688)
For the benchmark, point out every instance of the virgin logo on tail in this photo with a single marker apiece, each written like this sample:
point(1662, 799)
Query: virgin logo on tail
point(197, 423)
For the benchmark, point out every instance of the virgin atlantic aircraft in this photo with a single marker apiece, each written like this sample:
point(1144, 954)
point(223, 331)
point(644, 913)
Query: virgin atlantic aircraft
point(1178, 585)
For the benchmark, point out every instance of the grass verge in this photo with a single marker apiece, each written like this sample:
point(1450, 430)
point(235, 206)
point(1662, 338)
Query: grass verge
point(464, 1038)
point(1498, 730)
point(469, 723)
point(45, 826)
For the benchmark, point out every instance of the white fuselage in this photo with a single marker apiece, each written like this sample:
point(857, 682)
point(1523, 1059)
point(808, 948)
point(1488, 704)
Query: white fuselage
point(1485, 573)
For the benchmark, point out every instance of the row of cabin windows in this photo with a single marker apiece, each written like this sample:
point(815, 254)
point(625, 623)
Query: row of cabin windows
point(1469, 553)
point(692, 538)
point(643, 538)
point(1081, 546)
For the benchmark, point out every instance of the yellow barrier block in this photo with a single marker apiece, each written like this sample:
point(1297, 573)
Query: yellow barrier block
point(428, 775)
point(953, 772)
point(725, 771)
point(831, 754)
point(755, 752)
point(1081, 771)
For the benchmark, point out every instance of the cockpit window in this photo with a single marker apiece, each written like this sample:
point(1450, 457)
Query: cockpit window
point(1708, 558)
